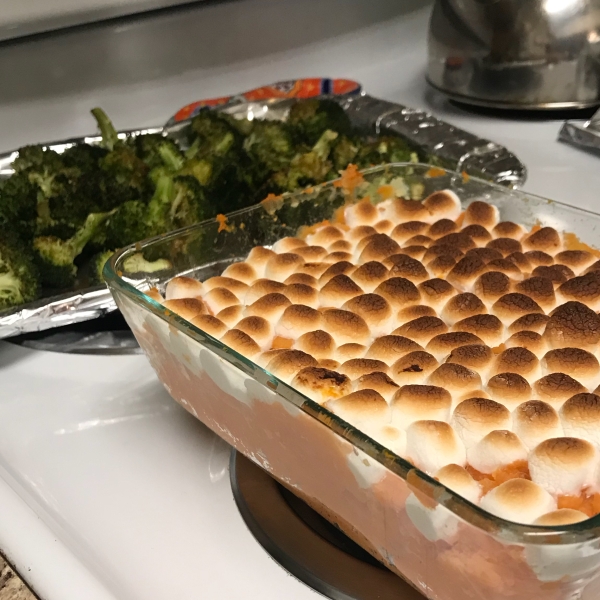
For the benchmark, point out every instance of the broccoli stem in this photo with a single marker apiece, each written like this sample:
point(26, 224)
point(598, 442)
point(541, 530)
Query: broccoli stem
point(323, 145)
point(172, 160)
point(107, 129)
point(160, 203)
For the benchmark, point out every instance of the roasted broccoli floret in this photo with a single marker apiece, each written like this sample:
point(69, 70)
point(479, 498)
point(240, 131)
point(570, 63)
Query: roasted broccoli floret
point(56, 257)
point(83, 156)
point(270, 144)
point(213, 135)
point(383, 150)
point(309, 119)
point(19, 205)
point(344, 152)
point(19, 281)
point(310, 167)
point(96, 265)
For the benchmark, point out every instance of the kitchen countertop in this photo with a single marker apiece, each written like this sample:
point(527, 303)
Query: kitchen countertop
point(11, 585)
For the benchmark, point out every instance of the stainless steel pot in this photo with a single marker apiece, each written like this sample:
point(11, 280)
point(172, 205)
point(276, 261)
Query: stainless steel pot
point(522, 54)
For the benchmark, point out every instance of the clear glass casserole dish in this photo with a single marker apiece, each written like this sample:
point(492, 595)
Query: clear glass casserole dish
point(438, 541)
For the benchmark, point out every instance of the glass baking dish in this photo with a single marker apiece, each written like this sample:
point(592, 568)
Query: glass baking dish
point(443, 545)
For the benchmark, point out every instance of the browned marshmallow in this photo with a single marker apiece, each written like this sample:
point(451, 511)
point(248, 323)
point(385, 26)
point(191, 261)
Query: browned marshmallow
point(562, 516)
point(577, 260)
point(446, 250)
point(288, 244)
point(580, 416)
point(459, 480)
point(466, 271)
point(518, 500)
point(355, 234)
point(357, 367)
point(478, 233)
point(361, 408)
point(389, 348)
point(384, 226)
point(487, 327)
point(510, 389)
point(288, 363)
point(520, 361)
point(441, 266)
point(564, 465)
point(231, 315)
point(348, 351)
point(573, 324)
point(343, 267)
point(441, 345)
point(259, 329)
point(441, 227)
point(369, 275)
point(337, 291)
point(431, 445)
point(402, 265)
point(183, 287)
point(261, 288)
point(404, 231)
point(527, 339)
point(436, 293)
point(341, 246)
point(577, 363)
point(508, 229)
point(318, 269)
point(537, 258)
point(511, 306)
point(361, 213)
point(485, 254)
point(302, 278)
point(457, 240)
point(270, 307)
point(546, 239)
point(328, 363)
point(218, 299)
point(414, 312)
point(316, 343)
point(585, 288)
point(258, 259)
point(297, 320)
point(379, 247)
point(311, 253)
point(210, 325)
point(557, 274)
point(237, 288)
point(497, 449)
point(374, 309)
point(281, 266)
point(506, 246)
point(417, 240)
point(461, 307)
point(520, 260)
point(325, 236)
point(300, 293)
point(321, 384)
point(422, 330)
point(345, 326)
point(418, 402)
point(186, 308)
point(402, 209)
point(378, 381)
point(443, 204)
point(241, 342)
point(531, 322)
point(473, 419)
point(399, 292)
point(460, 381)
point(242, 271)
point(556, 388)
point(481, 213)
point(413, 368)
point(535, 421)
point(477, 357)
point(491, 286)
point(155, 294)
point(539, 289)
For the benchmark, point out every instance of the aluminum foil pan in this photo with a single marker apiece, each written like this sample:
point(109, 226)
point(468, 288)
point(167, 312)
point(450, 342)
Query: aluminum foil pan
point(442, 143)
point(584, 135)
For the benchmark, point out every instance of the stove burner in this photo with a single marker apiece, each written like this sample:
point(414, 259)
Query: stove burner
point(307, 545)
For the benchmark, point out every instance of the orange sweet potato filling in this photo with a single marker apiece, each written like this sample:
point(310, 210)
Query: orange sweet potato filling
point(572, 242)
point(350, 179)
point(282, 343)
point(488, 481)
point(587, 502)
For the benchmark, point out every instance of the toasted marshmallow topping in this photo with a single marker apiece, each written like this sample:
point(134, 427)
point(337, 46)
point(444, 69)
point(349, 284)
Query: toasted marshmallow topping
point(535, 421)
point(425, 329)
point(431, 445)
point(564, 465)
point(518, 500)
point(497, 449)
point(459, 480)
point(420, 402)
point(562, 516)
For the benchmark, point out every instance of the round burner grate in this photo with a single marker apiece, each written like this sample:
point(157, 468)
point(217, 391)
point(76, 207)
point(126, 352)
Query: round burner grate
point(307, 545)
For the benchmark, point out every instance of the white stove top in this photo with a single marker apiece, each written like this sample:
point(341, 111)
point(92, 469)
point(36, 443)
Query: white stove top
point(108, 489)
